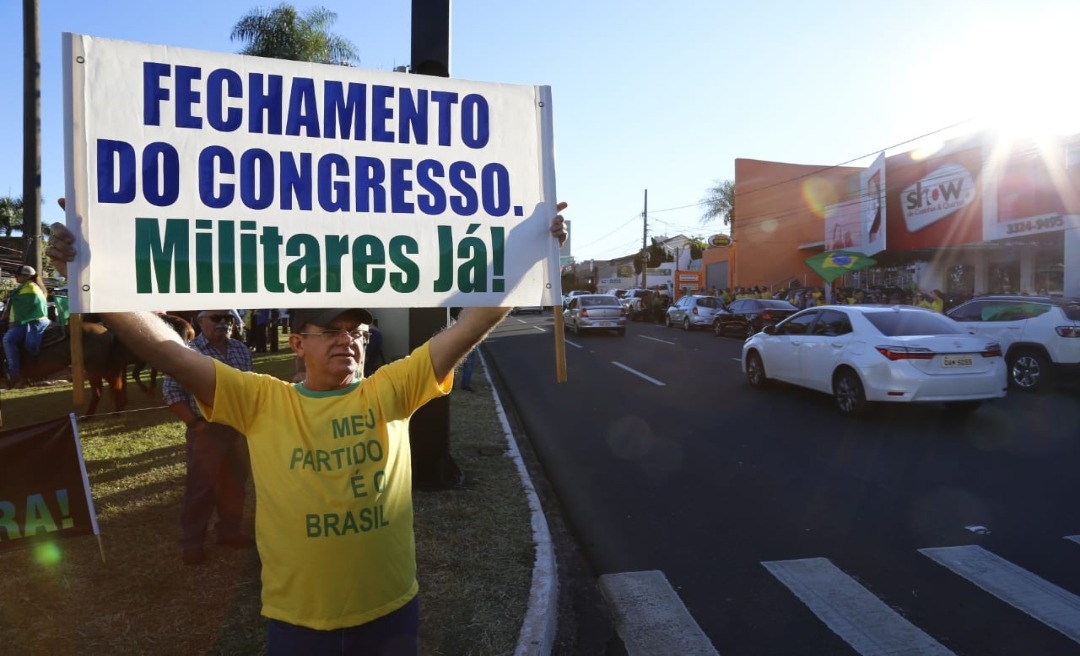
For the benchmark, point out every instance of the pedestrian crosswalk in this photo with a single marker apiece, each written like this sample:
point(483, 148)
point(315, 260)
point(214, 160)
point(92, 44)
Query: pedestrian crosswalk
point(850, 610)
point(873, 628)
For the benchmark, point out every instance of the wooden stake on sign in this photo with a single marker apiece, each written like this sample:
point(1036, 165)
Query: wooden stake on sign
point(78, 376)
point(560, 345)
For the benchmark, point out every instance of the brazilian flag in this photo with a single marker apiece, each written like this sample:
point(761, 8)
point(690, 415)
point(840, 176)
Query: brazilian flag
point(830, 265)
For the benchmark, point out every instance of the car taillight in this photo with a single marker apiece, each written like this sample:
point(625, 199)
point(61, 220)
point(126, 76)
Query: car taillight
point(695, 310)
point(766, 316)
point(992, 351)
point(622, 312)
point(584, 312)
point(1068, 331)
point(905, 352)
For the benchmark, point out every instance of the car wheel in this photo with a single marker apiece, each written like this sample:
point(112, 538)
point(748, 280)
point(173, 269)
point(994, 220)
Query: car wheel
point(686, 323)
point(1028, 370)
point(755, 370)
point(849, 393)
point(717, 329)
point(750, 332)
point(667, 320)
point(962, 408)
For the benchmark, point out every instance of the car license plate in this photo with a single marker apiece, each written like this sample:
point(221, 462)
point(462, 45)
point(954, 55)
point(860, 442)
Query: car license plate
point(603, 324)
point(957, 360)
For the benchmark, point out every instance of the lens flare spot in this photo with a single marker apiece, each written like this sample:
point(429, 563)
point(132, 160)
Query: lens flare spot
point(819, 193)
point(47, 554)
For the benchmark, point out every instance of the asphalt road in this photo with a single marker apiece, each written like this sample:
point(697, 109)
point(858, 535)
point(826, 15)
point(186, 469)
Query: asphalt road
point(785, 528)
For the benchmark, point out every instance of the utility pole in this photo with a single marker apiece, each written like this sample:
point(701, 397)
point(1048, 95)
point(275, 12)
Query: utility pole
point(31, 135)
point(644, 243)
point(429, 428)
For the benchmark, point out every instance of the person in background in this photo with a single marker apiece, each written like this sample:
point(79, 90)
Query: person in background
point(373, 353)
point(465, 382)
point(937, 301)
point(27, 314)
point(218, 465)
point(332, 464)
point(467, 370)
point(260, 327)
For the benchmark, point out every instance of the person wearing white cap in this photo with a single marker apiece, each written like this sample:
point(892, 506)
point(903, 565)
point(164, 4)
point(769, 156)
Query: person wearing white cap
point(331, 464)
point(27, 312)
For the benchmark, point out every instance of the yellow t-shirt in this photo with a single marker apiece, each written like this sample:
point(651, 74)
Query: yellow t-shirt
point(333, 488)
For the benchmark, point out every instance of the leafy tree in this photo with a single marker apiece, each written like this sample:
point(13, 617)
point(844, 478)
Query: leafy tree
point(11, 215)
point(697, 247)
point(654, 256)
point(284, 33)
point(719, 202)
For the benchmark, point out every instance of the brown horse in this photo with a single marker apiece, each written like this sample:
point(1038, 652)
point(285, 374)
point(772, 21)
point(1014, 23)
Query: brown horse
point(182, 328)
point(104, 360)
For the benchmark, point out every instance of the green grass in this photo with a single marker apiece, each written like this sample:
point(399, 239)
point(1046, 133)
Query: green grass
point(474, 546)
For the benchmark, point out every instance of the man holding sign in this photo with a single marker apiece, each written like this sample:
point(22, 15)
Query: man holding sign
point(201, 179)
point(331, 464)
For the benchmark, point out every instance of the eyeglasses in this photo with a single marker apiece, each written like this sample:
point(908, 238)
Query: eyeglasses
point(355, 335)
point(217, 318)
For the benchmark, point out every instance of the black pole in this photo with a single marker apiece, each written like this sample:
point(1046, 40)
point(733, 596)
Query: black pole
point(31, 135)
point(429, 429)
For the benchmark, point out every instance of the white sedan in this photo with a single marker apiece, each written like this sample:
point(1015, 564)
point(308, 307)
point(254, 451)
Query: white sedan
point(869, 353)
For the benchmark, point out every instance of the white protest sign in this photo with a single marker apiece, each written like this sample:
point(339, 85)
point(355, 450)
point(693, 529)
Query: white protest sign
point(199, 179)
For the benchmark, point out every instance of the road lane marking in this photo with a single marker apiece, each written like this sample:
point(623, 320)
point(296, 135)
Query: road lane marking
point(1074, 538)
point(540, 328)
point(649, 616)
point(574, 344)
point(656, 339)
point(1046, 602)
point(638, 374)
point(850, 610)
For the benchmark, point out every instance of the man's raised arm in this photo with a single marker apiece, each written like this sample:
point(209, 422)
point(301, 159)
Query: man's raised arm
point(150, 338)
point(472, 326)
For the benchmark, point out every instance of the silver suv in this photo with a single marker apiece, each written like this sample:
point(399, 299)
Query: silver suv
point(1039, 335)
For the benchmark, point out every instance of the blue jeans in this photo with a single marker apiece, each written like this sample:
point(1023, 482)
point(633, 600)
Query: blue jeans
point(467, 368)
point(31, 334)
point(396, 634)
point(218, 466)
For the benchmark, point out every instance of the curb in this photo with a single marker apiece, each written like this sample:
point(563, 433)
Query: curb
point(538, 629)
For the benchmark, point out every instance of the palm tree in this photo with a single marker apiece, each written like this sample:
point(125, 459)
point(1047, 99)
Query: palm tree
point(11, 215)
point(283, 33)
point(719, 202)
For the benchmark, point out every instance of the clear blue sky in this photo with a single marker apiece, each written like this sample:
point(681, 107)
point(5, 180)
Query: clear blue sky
point(653, 95)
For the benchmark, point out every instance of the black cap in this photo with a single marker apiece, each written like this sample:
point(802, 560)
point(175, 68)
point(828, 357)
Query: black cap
point(325, 316)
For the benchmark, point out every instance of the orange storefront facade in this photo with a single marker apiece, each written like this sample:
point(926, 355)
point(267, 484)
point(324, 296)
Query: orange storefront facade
point(975, 216)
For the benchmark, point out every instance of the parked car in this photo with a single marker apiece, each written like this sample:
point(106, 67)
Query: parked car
point(693, 311)
point(573, 293)
point(862, 354)
point(1040, 335)
point(638, 303)
point(594, 312)
point(746, 316)
point(522, 309)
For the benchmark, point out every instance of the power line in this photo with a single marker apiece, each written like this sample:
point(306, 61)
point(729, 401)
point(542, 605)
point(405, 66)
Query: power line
point(828, 168)
point(628, 221)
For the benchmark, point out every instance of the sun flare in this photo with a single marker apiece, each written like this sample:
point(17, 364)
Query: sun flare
point(1021, 78)
point(1012, 77)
